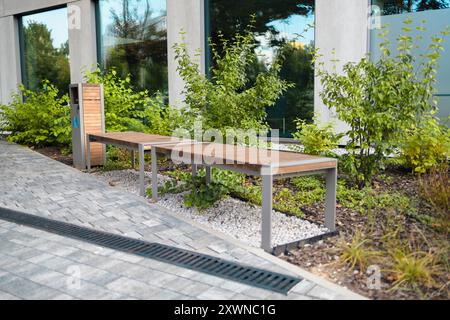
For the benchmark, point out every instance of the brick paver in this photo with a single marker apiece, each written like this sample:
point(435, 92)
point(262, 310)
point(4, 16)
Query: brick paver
point(39, 265)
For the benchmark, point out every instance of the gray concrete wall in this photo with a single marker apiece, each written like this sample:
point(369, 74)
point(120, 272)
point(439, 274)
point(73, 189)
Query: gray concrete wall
point(186, 15)
point(82, 38)
point(341, 26)
point(10, 68)
point(14, 7)
point(9, 58)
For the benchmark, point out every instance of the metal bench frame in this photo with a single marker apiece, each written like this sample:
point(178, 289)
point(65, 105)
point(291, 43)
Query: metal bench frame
point(266, 173)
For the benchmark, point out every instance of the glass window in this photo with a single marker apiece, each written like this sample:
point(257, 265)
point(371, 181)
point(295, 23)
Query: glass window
point(133, 40)
point(389, 7)
point(435, 16)
point(282, 25)
point(45, 49)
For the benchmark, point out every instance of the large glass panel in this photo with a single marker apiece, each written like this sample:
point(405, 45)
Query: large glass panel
point(280, 25)
point(45, 49)
point(133, 40)
point(434, 21)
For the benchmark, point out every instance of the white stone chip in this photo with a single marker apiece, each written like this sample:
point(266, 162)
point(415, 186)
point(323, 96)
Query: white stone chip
point(234, 217)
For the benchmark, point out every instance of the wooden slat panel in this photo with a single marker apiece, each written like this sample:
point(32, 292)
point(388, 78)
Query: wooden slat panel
point(282, 162)
point(93, 119)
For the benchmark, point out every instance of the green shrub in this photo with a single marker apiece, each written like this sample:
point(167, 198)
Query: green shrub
point(227, 99)
point(380, 100)
point(286, 201)
point(127, 109)
point(426, 146)
point(203, 196)
point(37, 118)
point(367, 200)
point(309, 190)
point(170, 186)
point(317, 140)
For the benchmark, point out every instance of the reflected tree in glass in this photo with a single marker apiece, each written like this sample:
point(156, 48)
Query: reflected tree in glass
point(134, 42)
point(41, 60)
point(278, 29)
point(390, 7)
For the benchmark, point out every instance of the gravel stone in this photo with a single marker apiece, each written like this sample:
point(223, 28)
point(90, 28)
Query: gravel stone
point(233, 217)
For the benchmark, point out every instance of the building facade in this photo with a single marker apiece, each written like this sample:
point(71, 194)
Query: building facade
point(59, 40)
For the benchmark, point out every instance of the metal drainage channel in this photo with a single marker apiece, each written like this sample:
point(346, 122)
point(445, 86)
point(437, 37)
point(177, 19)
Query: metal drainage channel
point(256, 277)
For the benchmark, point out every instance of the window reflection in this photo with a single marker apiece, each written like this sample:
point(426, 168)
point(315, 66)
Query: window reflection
point(284, 25)
point(45, 49)
point(133, 40)
point(389, 7)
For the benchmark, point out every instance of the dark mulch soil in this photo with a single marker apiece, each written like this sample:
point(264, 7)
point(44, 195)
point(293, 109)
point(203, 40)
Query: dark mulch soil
point(55, 154)
point(322, 257)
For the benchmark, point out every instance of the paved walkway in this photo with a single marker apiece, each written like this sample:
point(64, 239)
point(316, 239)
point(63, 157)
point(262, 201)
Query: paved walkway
point(40, 265)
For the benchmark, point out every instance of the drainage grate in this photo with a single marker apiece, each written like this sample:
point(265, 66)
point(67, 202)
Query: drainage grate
point(183, 258)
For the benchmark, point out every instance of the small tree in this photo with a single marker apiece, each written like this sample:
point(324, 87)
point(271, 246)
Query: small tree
point(227, 99)
point(381, 99)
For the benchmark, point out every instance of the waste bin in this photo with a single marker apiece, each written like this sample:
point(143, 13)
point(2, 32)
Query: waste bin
point(87, 115)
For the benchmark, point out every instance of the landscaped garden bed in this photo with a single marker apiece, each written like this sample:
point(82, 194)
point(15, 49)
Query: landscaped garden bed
point(391, 227)
point(393, 193)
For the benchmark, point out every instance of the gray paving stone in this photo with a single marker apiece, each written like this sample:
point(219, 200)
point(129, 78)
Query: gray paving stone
point(257, 293)
point(50, 278)
point(22, 288)
point(215, 293)
point(321, 293)
point(7, 296)
point(63, 296)
point(33, 259)
point(133, 288)
point(303, 287)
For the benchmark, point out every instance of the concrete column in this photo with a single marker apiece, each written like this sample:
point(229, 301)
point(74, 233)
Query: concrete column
point(10, 76)
point(186, 15)
point(342, 26)
point(82, 38)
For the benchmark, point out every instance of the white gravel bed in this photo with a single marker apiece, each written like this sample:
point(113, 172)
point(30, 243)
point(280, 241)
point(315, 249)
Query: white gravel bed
point(231, 216)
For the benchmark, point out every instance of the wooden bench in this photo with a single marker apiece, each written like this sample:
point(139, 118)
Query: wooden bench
point(267, 164)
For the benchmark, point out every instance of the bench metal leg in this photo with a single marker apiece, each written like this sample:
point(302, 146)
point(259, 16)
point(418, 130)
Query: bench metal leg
point(133, 160)
point(208, 174)
point(330, 200)
point(141, 171)
point(266, 217)
point(88, 153)
point(154, 175)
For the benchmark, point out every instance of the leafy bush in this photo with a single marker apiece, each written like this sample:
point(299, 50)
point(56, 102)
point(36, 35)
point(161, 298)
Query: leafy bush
point(426, 146)
point(203, 196)
point(379, 100)
point(227, 99)
point(286, 201)
point(37, 118)
point(127, 109)
point(317, 140)
point(368, 200)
